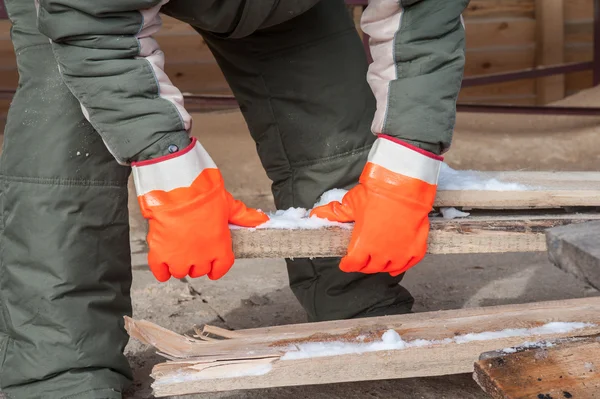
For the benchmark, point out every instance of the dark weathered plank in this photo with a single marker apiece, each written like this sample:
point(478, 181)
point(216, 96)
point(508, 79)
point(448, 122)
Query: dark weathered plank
point(576, 250)
point(569, 368)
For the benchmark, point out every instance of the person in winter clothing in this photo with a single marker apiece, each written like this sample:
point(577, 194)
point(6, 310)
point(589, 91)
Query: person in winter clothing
point(94, 105)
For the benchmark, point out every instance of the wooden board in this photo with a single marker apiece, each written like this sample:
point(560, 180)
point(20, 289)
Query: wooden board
point(479, 234)
point(567, 368)
point(214, 364)
point(576, 250)
point(500, 8)
point(546, 190)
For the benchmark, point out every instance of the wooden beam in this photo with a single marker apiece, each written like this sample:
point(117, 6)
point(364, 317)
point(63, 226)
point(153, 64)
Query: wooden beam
point(576, 250)
point(476, 234)
point(550, 48)
point(255, 358)
point(567, 368)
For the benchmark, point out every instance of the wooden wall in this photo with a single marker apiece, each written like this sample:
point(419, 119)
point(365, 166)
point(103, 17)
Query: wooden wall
point(502, 35)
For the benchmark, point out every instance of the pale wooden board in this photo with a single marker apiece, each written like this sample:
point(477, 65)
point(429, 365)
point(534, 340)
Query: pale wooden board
point(477, 234)
point(207, 366)
point(545, 190)
point(570, 368)
point(576, 250)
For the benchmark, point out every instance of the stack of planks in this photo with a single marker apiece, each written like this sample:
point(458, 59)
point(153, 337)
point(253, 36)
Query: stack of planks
point(555, 342)
point(500, 221)
point(220, 360)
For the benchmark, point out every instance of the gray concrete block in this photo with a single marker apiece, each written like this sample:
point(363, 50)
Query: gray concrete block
point(576, 249)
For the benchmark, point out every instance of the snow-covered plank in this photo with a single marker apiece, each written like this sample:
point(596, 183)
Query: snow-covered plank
point(520, 232)
point(567, 368)
point(402, 346)
point(517, 190)
point(576, 250)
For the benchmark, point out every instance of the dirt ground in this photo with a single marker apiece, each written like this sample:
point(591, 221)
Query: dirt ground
point(255, 292)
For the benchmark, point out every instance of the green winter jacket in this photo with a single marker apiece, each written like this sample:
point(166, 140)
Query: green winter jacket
point(113, 66)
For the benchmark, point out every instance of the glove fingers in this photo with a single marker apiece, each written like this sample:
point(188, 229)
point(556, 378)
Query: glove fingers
point(199, 269)
point(354, 261)
point(241, 215)
point(334, 211)
point(376, 264)
point(179, 271)
point(221, 266)
point(159, 269)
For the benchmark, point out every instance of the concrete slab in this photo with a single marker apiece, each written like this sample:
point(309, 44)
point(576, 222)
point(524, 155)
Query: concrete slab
point(576, 250)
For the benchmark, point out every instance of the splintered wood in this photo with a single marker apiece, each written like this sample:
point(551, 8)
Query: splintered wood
point(428, 344)
point(477, 234)
point(567, 368)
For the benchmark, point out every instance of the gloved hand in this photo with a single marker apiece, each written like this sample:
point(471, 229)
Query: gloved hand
point(184, 199)
point(390, 208)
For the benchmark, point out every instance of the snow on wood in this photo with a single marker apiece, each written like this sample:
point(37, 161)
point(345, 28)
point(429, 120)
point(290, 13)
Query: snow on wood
point(434, 343)
point(520, 232)
point(565, 368)
point(515, 190)
point(391, 340)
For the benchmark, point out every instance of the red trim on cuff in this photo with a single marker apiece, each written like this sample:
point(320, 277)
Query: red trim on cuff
point(412, 147)
point(167, 157)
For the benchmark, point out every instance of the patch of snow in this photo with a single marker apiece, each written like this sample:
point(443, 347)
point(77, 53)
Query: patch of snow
point(297, 218)
point(451, 179)
point(528, 345)
point(391, 340)
point(453, 213)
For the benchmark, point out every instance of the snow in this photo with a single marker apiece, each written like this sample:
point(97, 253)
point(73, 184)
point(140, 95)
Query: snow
point(391, 340)
point(297, 218)
point(453, 213)
point(450, 179)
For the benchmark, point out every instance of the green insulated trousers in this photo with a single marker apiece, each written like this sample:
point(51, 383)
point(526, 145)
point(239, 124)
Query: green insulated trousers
point(64, 252)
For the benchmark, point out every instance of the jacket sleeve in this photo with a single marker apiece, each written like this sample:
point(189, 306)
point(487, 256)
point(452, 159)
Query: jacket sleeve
point(418, 51)
point(112, 65)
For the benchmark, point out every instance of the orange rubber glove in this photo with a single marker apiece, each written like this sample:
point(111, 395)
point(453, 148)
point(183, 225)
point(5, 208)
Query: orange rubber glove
point(188, 209)
point(390, 208)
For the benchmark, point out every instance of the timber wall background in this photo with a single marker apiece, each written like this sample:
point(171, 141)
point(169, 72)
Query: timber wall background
point(502, 35)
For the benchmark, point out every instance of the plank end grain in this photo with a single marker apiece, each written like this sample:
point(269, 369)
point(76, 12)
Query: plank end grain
point(565, 368)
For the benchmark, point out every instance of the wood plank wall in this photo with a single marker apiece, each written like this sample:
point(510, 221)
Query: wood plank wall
point(502, 35)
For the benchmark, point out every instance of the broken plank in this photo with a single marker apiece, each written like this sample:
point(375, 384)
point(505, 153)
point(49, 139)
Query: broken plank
point(576, 250)
point(255, 358)
point(567, 368)
point(474, 234)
